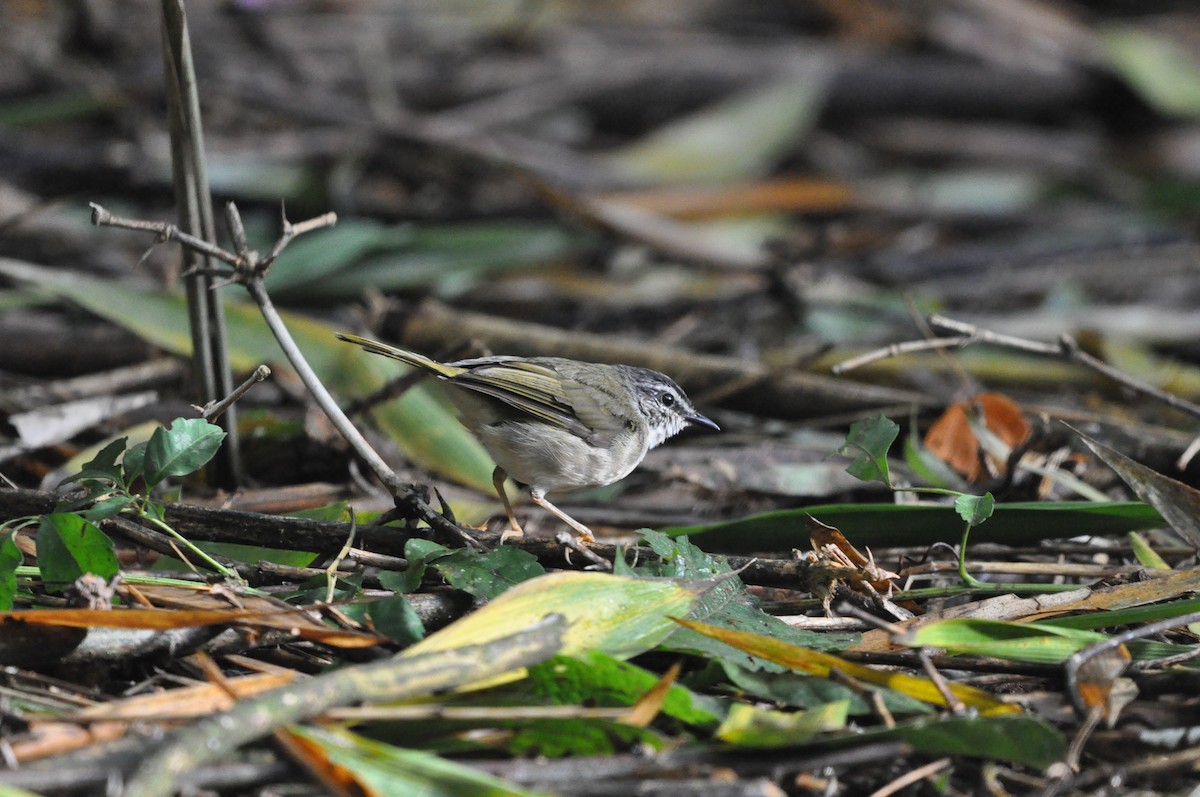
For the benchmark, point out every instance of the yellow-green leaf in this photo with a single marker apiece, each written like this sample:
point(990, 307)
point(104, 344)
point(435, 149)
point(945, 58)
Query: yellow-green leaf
point(760, 727)
point(738, 138)
point(619, 615)
point(820, 664)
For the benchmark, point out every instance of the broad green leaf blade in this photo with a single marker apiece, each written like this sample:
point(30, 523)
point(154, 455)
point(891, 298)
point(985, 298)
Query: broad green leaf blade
point(69, 546)
point(423, 427)
point(1020, 740)
point(1166, 75)
point(975, 509)
point(896, 524)
point(726, 605)
point(10, 560)
point(483, 574)
point(310, 258)
point(816, 663)
point(450, 260)
point(868, 443)
point(104, 465)
point(596, 678)
point(360, 254)
point(739, 138)
point(184, 448)
point(397, 618)
point(487, 575)
point(619, 615)
point(1012, 641)
point(1178, 503)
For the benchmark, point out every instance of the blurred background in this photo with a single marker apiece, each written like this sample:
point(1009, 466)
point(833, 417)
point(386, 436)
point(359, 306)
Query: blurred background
point(784, 184)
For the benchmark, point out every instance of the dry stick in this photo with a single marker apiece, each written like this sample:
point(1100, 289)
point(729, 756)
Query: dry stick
point(1069, 348)
point(393, 679)
point(214, 409)
point(210, 355)
point(1066, 347)
point(249, 269)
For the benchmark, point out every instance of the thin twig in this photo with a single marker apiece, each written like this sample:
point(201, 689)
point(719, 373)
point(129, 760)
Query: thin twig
point(896, 349)
point(214, 409)
point(1066, 347)
point(248, 269)
point(164, 230)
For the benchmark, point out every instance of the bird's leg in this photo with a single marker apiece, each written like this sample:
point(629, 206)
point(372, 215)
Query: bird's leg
point(514, 528)
point(539, 498)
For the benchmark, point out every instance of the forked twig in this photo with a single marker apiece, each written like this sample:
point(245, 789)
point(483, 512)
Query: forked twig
point(248, 268)
point(1066, 347)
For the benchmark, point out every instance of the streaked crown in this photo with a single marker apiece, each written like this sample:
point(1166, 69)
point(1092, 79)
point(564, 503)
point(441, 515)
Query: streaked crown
point(663, 403)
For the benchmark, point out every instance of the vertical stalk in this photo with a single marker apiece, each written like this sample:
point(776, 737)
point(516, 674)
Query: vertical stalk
point(210, 358)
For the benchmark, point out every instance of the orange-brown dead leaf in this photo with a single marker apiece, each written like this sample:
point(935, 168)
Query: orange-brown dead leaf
point(647, 708)
point(292, 621)
point(313, 757)
point(795, 195)
point(1096, 679)
point(950, 437)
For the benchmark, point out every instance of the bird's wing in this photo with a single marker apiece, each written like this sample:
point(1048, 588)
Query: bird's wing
point(527, 386)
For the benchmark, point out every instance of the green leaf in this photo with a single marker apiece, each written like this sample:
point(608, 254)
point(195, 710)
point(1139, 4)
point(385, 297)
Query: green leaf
point(390, 771)
point(739, 138)
point(489, 574)
point(751, 726)
point(904, 525)
point(619, 615)
point(102, 467)
point(106, 508)
point(182, 449)
point(975, 509)
point(595, 678)
point(1017, 739)
point(10, 560)
point(396, 617)
point(1144, 552)
point(69, 546)
point(483, 574)
point(1012, 641)
point(133, 464)
point(358, 254)
point(726, 605)
point(1041, 643)
point(1165, 74)
point(868, 443)
point(419, 553)
point(579, 737)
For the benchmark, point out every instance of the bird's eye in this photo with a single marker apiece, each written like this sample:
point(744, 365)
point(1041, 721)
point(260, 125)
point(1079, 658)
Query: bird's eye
point(667, 399)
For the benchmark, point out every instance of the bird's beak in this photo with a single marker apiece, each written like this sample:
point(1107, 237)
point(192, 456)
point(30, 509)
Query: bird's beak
point(700, 420)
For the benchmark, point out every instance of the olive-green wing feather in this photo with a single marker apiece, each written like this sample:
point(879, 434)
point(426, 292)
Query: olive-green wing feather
point(527, 386)
point(404, 356)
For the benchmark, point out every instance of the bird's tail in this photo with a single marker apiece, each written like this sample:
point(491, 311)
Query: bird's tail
point(404, 356)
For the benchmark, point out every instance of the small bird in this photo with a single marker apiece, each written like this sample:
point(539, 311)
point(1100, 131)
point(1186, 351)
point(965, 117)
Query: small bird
point(553, 423)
